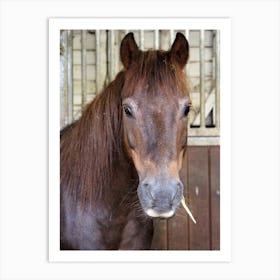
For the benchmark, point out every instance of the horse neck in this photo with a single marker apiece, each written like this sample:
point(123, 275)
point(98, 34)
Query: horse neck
point(124, 178)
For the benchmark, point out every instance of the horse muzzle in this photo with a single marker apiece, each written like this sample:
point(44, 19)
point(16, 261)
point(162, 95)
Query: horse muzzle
point(160, 198)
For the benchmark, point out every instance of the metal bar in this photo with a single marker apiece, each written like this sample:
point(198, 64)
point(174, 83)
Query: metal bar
point(112, 55)
point(156, 42)
point(217, 74)
point(97, 55)
point(202, 77)
point(70, 77)
point(84, 66)
point(142, 39)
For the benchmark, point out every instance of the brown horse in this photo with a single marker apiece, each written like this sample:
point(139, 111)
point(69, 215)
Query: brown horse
point(120, 161)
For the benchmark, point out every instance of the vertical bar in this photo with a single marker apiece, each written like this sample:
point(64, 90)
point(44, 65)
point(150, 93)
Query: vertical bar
point(198, 198)
point(70, 77)
point(156, 42)
point(187, 34)
point(215, 196)
point(112, 55)
point(217, 74)
point(142, 39)
point(84, 66)
point(97, 54)
point(63, 76)
point(202, 76)
point(171, 34)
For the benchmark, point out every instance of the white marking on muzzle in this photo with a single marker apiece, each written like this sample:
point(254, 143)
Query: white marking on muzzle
point(152, 213)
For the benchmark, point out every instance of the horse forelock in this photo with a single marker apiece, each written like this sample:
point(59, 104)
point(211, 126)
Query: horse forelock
point(154, 72)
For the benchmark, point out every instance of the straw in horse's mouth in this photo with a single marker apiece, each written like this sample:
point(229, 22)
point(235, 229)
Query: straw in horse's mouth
point(187, 209)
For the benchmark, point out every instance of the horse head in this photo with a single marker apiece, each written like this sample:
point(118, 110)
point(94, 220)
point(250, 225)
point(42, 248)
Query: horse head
point(155, 106)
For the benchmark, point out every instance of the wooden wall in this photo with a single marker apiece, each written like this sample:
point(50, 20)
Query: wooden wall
point(201, 177)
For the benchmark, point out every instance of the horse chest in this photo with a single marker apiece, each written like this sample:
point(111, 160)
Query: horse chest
point(123, 232)
point(103, 228)
point(111, 228)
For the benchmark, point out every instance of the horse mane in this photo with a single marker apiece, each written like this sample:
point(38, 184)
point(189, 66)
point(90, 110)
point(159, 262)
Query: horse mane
point(91, 144)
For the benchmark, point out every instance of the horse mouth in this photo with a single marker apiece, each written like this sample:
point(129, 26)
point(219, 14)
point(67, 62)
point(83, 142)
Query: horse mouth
point(155, 214)
point(160, 198)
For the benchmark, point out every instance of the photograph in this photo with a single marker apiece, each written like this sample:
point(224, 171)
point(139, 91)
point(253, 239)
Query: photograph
point(140, 139)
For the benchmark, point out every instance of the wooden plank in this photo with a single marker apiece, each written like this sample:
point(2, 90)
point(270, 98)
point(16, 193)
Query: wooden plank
point(177, 227)
point(160, 235)
point(215, 196)
point(198, 198)
point(177, 231)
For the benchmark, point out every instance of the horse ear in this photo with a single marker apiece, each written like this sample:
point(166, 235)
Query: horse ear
point(180, 50)
point(128, 49)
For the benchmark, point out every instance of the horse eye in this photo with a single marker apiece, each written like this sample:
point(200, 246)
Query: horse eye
point(186, 111)
point(128, 111)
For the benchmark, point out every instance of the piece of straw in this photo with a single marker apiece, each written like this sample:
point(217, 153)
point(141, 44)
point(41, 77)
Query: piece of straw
point(187, 209)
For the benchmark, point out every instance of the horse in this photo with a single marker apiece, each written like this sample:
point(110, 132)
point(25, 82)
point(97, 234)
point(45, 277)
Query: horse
point(120, 162)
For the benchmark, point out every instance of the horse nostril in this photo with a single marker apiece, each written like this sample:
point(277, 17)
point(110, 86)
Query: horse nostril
point(147, 187)
point(177, 187)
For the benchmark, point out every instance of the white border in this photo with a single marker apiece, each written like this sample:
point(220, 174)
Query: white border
point(24, 155)
point(224, 254)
